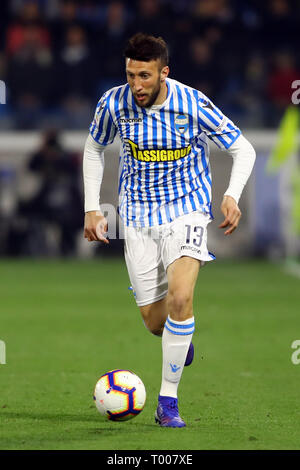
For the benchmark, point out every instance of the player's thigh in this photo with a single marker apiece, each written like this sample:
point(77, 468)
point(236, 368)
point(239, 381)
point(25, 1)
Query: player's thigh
point(186, 236)
point(145, 267)
point(184, 250)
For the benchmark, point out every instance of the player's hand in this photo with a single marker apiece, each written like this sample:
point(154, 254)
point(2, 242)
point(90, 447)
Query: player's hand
point(232, 214)
point(95, 227)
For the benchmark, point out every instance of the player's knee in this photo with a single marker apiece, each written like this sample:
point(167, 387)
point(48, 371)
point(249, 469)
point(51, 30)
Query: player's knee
point(155, 329)
point(180, 304)
point(154, 325)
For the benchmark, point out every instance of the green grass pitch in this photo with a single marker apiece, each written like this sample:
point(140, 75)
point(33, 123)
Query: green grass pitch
point(67, 322)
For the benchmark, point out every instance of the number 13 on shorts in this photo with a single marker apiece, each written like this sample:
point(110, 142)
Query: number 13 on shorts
point(194, 235)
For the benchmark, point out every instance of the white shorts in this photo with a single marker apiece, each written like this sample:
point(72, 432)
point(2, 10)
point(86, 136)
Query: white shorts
point(150, 250)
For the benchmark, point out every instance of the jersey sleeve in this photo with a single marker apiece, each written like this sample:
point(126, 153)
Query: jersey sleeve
point(102, 128)
point(221, 130)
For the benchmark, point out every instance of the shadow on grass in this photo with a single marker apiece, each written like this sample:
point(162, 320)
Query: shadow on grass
point(103, 425)
point(53, 417)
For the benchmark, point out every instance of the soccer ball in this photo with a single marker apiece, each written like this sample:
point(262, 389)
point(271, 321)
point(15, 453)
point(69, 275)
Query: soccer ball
point(119, 395)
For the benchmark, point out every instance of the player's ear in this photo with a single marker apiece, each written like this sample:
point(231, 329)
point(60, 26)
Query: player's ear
point(164, 73)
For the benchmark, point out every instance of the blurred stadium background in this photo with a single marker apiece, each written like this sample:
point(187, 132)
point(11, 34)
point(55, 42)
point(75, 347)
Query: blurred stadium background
point(58, 57)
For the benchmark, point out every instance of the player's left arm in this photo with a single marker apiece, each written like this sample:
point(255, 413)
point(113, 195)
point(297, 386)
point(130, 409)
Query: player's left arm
point(243, 155)
point(228, 137)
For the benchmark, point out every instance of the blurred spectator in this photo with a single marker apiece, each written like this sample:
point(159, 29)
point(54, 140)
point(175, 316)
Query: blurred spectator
point(16, 35)
point(91, 13)
point(111, 42)
point(116, 21)
point(217, 10)
point(279, 84)
point(57, 203)
point(58, 57)
point(213, 35)
point(152, 19)
point(76, 76)
point(247, 90)
point(281, 24)
point(66, 17)
point(30, 76)
point(201, 69)
point(180, 7)
point(253, 93)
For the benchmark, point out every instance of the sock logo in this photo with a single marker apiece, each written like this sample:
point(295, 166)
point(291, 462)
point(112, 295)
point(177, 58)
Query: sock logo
point(174, 368)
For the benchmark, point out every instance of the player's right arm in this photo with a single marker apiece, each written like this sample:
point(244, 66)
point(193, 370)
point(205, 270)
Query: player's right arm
point(102, 133)
point(95, 224)
point(95, 227)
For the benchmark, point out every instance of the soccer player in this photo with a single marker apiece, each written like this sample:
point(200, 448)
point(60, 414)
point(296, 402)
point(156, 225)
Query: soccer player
point(164, 195)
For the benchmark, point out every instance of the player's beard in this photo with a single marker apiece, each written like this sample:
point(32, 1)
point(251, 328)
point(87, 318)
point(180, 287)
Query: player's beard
point(152, 97)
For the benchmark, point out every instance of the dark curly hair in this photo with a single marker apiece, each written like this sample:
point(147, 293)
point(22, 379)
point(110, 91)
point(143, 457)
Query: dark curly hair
point(145, 47)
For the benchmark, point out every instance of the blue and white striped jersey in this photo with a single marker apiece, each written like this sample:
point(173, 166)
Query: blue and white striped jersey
point(164, 169)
